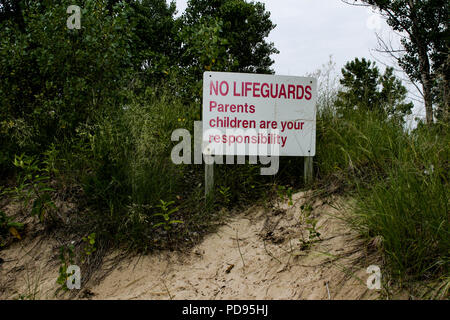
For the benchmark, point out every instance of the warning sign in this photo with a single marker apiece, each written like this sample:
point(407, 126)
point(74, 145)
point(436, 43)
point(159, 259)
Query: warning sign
point(258, 114)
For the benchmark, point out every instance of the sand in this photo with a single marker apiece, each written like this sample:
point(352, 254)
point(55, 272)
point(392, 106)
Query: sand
point(257, 254)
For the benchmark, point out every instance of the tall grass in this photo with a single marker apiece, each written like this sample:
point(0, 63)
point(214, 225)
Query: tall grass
point(400, 181)
point(131, 168)
point(409, 207)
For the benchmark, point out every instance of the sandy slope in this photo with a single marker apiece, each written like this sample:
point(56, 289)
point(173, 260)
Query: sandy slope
point(29, 269)
point(256, 255)
point(237, 263)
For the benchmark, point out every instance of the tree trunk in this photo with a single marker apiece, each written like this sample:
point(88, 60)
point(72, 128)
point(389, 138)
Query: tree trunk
point(446, 91)
point(424, 64)
point(425, 75)
point(426, 85)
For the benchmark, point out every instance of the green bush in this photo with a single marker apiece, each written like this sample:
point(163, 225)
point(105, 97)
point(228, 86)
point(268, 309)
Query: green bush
point(53, 78)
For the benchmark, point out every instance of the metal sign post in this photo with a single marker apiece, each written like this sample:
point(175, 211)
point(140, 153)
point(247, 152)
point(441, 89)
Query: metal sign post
point(209, 179)
point(308, 169)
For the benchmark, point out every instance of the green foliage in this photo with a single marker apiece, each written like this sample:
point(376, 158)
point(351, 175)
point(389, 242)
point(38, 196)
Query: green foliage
point(206, 50)
point(311, 227)
point(102, 101)
point(166, 215)
point(33, 187)
point(225, 195)
point(89, 247)
point(56, 81)
point(224, 35)
point(8, 225)
point(66, 258)
point(54, 78)
point(155, 43)
point(392, 96)
point(360, 78)
point(400, 181)
point(408, 207)
point(131, 152)
point(361, 83)
point(122, 165)
point(243, 180)
point(7, 222)
point(245, 25)
point(285, 193)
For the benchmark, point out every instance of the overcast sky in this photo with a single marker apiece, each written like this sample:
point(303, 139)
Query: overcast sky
point(309, 31)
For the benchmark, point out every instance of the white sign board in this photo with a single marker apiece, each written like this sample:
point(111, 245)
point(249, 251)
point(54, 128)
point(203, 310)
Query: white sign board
point(258, 114)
